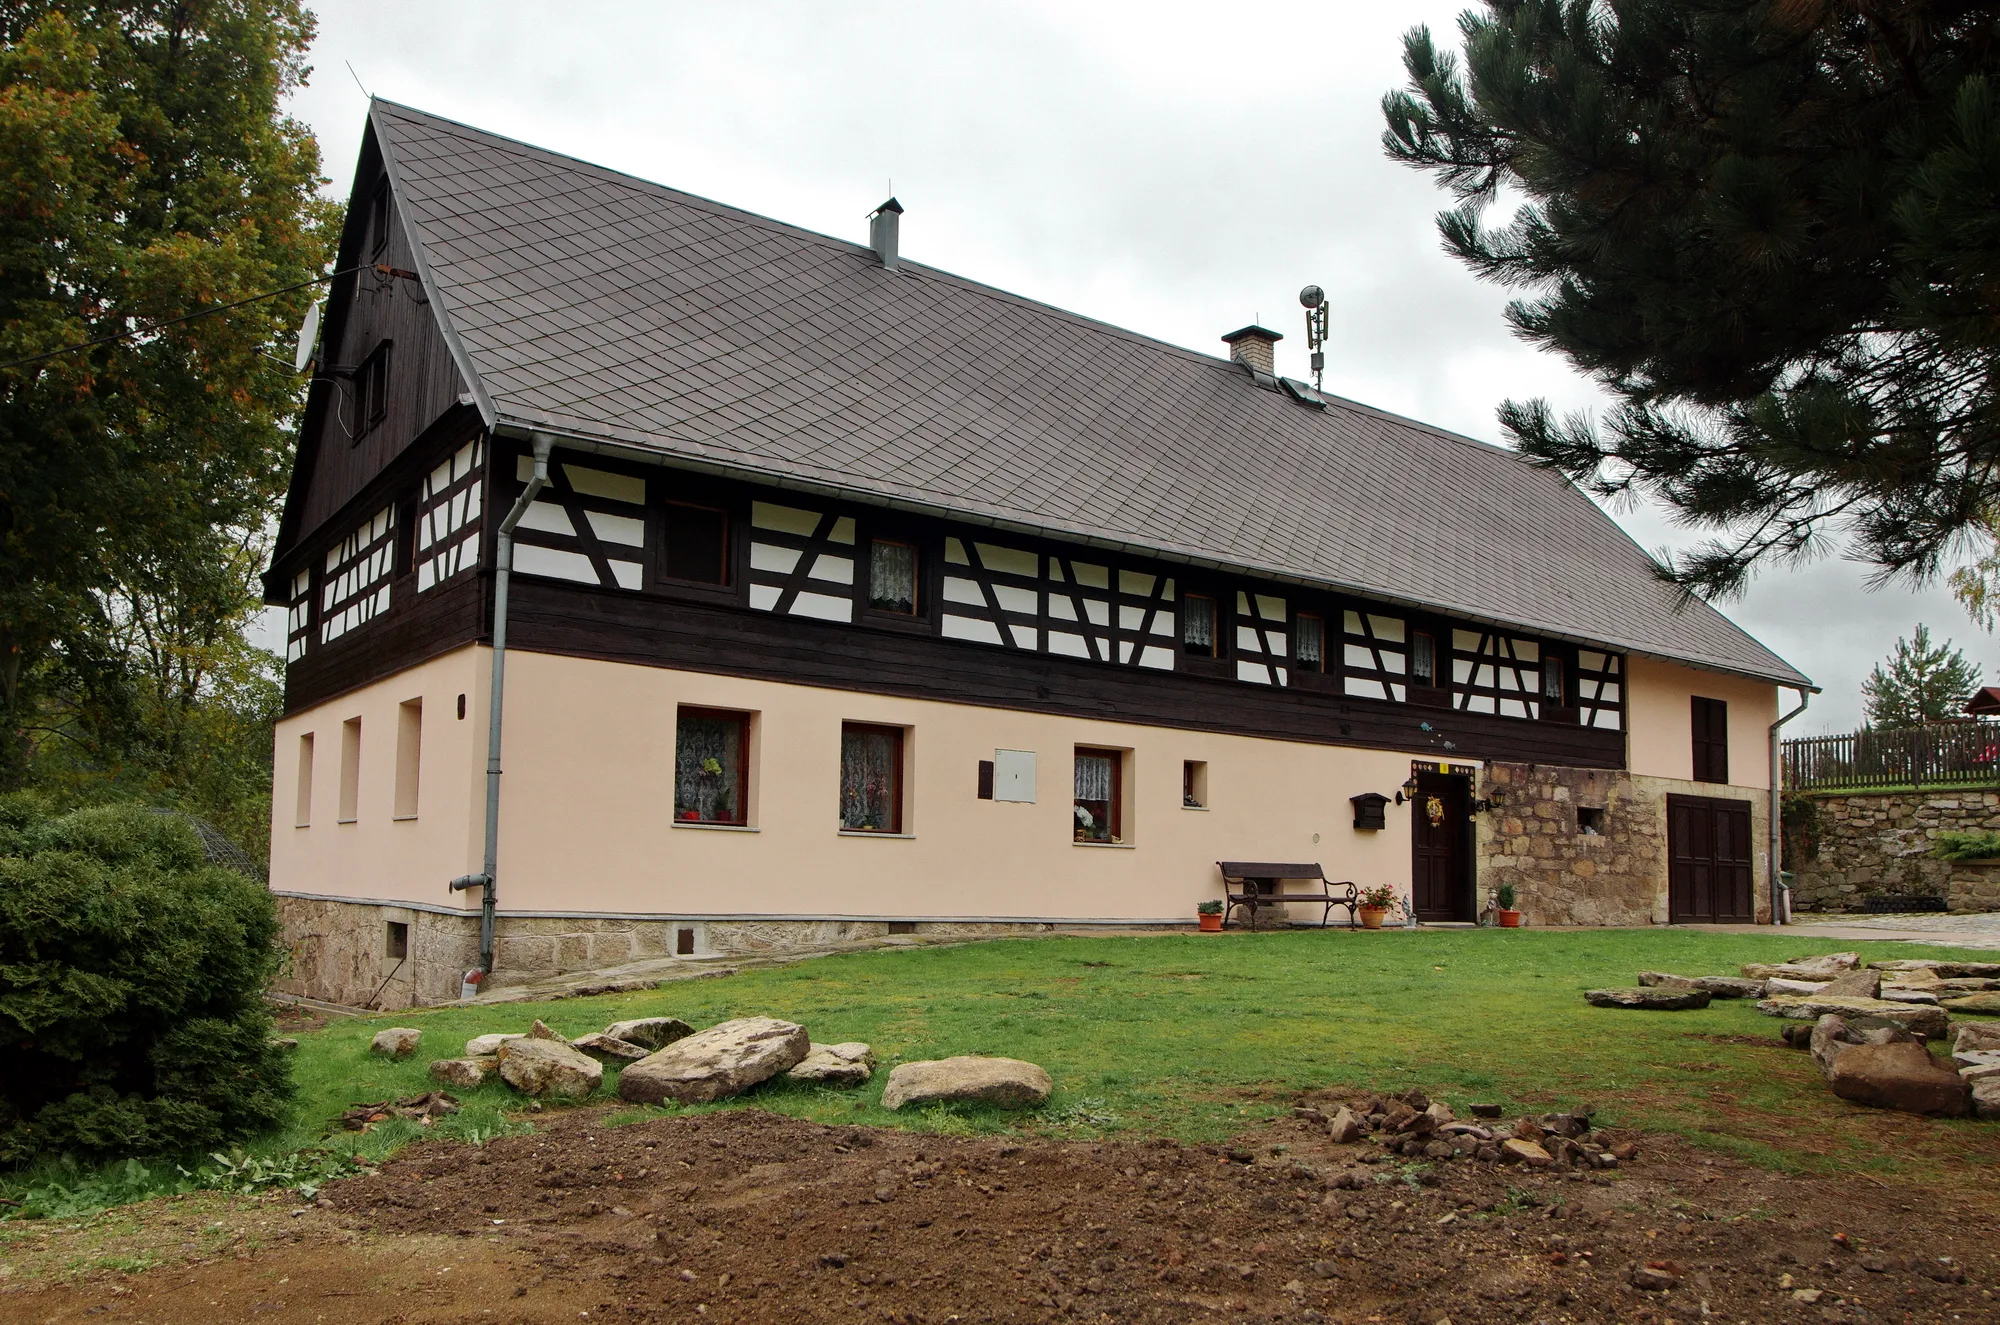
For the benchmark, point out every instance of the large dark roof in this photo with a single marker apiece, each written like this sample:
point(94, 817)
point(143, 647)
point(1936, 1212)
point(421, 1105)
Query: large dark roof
point(600, 306)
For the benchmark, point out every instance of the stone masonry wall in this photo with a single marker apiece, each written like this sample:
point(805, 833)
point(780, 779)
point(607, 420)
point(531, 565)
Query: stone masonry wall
point(1880, 845)
point(1561, 874)
point(338, 949)
point(1565, 875)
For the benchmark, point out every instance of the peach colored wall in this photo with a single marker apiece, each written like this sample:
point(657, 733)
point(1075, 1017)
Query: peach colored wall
point(590, 753)
point(587, 820)
point(1661, 721)
point(379, 856)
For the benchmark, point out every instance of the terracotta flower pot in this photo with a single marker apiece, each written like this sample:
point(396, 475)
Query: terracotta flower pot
point(1508, 919)
point(1371, 916)
point(1210, 923)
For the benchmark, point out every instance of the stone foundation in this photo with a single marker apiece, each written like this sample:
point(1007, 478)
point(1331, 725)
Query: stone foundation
point(1879, 845)
point(1565, 874)
point(338, 950)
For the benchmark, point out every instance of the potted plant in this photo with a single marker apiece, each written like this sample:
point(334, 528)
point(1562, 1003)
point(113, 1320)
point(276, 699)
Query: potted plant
point(1375, 904)
point(1503, 907)
point(1209, 915)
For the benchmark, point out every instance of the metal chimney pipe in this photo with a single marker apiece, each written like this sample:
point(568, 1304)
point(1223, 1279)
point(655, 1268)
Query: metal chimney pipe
point(883, 224)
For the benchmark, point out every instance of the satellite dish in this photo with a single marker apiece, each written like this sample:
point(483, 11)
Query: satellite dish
point(308, 337)
point(1312, 296)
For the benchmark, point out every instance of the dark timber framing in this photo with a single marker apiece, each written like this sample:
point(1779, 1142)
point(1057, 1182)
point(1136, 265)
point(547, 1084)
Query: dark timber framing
point(705, 628)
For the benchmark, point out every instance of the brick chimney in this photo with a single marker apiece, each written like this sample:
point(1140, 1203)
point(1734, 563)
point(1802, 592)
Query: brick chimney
point(1253, 346)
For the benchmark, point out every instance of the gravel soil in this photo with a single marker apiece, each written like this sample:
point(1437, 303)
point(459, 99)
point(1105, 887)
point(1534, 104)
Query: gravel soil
point(745, 1216)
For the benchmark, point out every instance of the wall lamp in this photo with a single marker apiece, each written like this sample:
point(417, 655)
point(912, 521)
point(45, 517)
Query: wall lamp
point(1498, 798)
point(1408, 791)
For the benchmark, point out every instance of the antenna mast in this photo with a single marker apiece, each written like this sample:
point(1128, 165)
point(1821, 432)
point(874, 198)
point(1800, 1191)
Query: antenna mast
point(1313, 299)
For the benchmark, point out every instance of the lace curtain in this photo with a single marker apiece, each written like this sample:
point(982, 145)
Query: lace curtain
point(708, 768)
point(892, 577)
point(1198, 624)
point(868, 780)
point(1093, 777)
point(1423, 659)
point(1312, 642)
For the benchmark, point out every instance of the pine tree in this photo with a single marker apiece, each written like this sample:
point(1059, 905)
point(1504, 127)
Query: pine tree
point(1923, 682)
point(1770, 229)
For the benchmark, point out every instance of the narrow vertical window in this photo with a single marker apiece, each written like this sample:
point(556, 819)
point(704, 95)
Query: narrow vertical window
point(378, 219)
point(409, 755)
point(1309, 643)
point(302, 815)
point(697, 544)
point(396, 940)
point(350, 770)
point(892, 577)
point(1194, 784)
point(1198, 626)
point(1553, 689)
point(1099, 815)
point(1710, 721)
point(371, 389)
point(712, 767)
point(1423, 658)
point(871, 778)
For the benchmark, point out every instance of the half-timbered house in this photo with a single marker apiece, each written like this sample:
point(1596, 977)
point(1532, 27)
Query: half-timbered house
point(839, 595)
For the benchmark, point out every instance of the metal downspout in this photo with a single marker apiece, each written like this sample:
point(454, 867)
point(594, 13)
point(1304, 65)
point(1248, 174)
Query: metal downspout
point(1780, 898)
point(503, 570)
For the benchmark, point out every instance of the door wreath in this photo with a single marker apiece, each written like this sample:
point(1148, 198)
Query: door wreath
point(1434, 808)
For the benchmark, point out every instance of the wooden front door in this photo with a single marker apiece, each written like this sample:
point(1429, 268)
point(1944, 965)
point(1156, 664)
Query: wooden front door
point(1441, 856)
point(1709, 856)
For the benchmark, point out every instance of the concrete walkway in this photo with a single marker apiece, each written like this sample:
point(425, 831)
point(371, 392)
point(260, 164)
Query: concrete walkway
point(1980, 930)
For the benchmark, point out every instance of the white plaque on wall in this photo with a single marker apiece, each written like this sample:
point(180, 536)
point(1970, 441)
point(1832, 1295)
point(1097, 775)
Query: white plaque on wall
point(1014, 775)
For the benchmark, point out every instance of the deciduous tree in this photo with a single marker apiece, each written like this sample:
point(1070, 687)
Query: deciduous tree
point(147, 170)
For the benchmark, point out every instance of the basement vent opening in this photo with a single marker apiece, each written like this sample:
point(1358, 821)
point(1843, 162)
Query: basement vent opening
point(396, 940)
point(902, 926)
point(683, 943)
point(1590, 820)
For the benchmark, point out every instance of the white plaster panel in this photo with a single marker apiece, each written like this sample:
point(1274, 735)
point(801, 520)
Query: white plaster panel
point(784, 519)
point(601, 483)
point(824, 607)
point(837, 570)
point(970, 628)
point(617, 528)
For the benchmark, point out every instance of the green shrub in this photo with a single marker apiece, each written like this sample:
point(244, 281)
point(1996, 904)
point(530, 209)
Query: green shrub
point(131, 989)
point(1966, 846)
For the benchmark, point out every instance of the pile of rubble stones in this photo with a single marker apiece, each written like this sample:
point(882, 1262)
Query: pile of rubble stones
point(662, 1060)
point(1414, 1126)
point(1866, 1026)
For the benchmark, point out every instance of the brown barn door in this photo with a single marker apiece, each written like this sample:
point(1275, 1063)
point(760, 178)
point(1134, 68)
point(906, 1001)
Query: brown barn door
point(1708, 862)
point(1441, 858)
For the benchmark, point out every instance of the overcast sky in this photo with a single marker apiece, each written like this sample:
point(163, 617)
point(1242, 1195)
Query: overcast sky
point(1179, 170)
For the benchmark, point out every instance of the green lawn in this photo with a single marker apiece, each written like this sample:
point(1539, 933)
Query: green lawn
point(1197, 1036)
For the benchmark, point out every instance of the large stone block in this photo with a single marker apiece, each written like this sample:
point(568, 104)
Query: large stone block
point(1006, 1082)
point(714, 1064)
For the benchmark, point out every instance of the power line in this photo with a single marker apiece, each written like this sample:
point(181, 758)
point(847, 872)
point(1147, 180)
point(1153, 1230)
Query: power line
point(148, 329)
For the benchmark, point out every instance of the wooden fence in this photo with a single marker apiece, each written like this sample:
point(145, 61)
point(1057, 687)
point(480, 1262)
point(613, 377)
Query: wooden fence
point(1942, 754)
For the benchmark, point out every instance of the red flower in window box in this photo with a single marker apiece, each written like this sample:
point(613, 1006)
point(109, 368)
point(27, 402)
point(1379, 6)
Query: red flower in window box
point(689, 816)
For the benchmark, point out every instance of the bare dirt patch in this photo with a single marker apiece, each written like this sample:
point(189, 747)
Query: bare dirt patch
point(745, 1216)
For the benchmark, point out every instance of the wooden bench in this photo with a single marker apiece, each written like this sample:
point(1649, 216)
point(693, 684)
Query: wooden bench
point(1249, 884)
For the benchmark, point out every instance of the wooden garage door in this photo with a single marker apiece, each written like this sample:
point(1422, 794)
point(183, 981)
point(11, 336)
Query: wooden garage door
point(1709, 861)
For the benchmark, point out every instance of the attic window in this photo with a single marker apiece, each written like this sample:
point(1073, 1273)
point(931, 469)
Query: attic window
point(1309, 642)
point(1198, 626)
point(371, 390)
point(378, 219)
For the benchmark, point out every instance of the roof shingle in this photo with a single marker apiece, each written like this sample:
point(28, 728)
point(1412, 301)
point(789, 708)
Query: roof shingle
point(603, 306)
